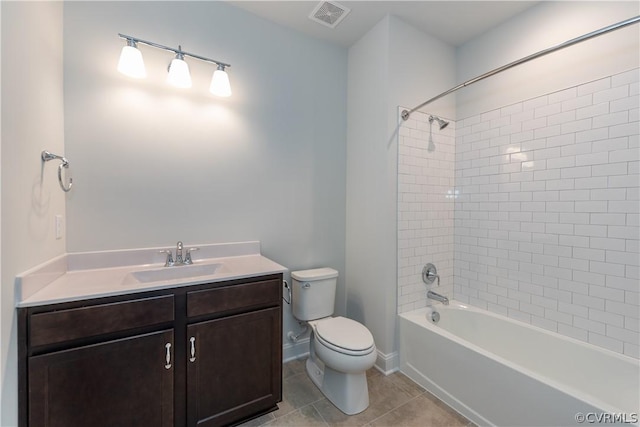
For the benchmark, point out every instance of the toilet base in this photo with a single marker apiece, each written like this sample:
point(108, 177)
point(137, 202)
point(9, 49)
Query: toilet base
point(348, 392)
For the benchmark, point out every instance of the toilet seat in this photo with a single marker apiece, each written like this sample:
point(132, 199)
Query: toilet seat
point(344, 335)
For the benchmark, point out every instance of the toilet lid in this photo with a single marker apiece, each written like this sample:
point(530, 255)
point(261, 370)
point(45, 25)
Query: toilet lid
point(345, 333)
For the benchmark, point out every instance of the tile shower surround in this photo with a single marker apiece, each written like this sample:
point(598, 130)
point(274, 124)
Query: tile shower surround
point(545, 215)
point(426, 160)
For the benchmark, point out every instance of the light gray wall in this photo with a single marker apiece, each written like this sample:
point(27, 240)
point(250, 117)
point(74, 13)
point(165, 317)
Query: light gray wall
point(540, 27)
point(32, 120)
point(369, 257)
point(393, 64)
point(421, 67)
point(154, 164)
point(1, 311)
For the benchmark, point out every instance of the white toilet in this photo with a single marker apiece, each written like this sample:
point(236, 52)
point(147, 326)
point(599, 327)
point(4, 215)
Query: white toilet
point(341, 349)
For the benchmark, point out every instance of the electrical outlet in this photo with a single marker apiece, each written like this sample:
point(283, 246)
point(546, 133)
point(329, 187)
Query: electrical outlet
point(59, 226)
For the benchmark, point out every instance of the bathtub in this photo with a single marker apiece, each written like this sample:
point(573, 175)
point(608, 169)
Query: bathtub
point(498, 371)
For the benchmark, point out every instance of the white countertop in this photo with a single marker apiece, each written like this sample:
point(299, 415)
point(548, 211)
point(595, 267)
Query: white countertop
point(78, 276)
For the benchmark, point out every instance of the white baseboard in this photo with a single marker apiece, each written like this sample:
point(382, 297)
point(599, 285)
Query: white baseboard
point(292, 351)
point(388, 363)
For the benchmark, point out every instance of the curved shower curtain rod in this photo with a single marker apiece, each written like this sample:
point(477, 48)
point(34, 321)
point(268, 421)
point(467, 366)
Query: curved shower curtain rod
point(406, 113)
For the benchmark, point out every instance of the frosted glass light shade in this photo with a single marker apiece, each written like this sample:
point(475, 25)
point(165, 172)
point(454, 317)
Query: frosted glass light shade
point(220, 83)
point(131, 63)
point(179, 75)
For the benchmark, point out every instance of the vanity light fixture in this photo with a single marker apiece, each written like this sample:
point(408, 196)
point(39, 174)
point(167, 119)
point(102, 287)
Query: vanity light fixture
point(132, 65)
point(179, 75)
point(220, 82)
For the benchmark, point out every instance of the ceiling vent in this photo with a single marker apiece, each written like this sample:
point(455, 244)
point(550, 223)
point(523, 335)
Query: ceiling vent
point(329, 14)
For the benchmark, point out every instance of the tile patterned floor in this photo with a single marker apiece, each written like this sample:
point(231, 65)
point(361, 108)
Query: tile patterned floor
point(395, 400)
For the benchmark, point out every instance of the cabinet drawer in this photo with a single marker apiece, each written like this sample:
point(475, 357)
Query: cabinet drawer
point(65, 325)
point(232, 298)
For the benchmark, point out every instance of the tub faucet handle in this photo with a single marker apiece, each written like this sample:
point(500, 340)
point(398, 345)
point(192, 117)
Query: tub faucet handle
point(429, 274)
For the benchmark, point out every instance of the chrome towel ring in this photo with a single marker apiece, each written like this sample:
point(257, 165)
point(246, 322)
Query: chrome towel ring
point(46, 156)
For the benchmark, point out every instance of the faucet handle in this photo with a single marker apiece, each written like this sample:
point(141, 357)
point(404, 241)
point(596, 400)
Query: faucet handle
point(429, 274)
point(187, 258)
point(169, 260)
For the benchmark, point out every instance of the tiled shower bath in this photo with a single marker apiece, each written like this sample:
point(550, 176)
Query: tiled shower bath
point(426, 159)
point(532, 213)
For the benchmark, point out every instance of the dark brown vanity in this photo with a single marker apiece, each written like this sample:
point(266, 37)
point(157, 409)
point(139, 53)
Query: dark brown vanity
point(200, 355)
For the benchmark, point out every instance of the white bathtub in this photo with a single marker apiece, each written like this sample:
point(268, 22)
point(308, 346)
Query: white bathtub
point(498, 371)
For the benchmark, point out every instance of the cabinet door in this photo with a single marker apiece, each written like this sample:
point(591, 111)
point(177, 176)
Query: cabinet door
point(127, 382)
point(237, 368)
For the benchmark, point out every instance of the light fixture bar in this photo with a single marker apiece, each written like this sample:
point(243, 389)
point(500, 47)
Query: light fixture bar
point(171, 49)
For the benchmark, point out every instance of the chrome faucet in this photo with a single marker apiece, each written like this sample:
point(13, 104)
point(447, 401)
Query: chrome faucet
point(179, 260)
point(438, 297)
point(169, 262)
point(429, 275)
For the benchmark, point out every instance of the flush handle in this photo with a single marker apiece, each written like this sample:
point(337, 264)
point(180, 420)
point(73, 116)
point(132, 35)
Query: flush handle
point(193, 349)
point(306, 285)
point(168, 356)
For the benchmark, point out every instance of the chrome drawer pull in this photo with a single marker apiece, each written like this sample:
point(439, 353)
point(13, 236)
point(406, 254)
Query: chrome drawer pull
point(193, 349)
point(168, 357)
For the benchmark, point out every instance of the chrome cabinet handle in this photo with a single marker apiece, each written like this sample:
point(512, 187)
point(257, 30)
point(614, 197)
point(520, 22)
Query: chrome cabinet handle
point(168, 356)
point(193, 349)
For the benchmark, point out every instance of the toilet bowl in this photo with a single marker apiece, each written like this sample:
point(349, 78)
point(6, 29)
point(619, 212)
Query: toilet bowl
point(343, 344)
point(338, 365)
point(341, 349)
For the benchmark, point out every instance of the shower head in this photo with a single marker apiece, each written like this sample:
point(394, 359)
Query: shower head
point(442, 123)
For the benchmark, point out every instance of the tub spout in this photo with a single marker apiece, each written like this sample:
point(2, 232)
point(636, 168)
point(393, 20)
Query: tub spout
point(438, 297)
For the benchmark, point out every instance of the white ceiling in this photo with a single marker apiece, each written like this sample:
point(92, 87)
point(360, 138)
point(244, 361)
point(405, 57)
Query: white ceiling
point(453, 22)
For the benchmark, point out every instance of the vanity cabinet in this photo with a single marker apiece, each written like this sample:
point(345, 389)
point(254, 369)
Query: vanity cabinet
point(201, 355)
point(233, 372)
point(108, 384)
point(233, 368)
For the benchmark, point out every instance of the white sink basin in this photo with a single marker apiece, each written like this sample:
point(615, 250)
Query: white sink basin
point(174, 273)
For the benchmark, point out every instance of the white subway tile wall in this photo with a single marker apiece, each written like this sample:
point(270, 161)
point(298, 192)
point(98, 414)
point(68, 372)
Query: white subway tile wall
point(546, 219)
point(425, 208)
point(543, 223)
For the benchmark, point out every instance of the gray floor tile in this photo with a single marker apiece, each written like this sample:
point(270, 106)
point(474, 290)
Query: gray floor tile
point(421, 411)
point(260, 421)
point(307, 416)
point(394, 400)
point(293, 367)
point(297, 391)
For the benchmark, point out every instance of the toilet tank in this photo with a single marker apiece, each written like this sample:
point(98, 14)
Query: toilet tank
point(314, 293)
